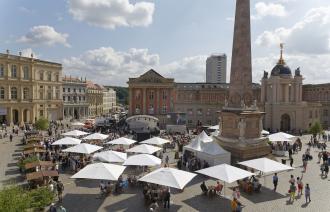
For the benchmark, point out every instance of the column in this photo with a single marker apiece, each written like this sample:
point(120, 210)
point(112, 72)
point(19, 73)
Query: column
point(144, 103)
point(20, 117)
point(10, 116)
point(130, 102)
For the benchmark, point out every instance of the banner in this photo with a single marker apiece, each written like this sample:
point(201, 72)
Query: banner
point(3, 111)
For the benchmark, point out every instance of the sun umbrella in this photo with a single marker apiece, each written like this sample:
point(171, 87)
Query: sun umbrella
point(96, 136)
point(77, 124)
point(75, 133)
point(278, 137)
point(265, 165)
point(83, 148)
point(100, 171)
point(142, 160)
point(110, 156)
point(226, 173)
point(155, 141)
point(122, 141)
point(215, 127)
point(169, 177)
point(265, 132)
point(67, 141)
point(144, 148)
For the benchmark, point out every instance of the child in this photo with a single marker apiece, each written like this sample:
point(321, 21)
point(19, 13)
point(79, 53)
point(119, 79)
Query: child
point(300, 185)
point(293, 189)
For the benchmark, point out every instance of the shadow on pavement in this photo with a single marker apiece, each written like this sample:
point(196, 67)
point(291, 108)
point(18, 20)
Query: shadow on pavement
point(12, 172)
point(86, 183)
point(265, 195)
point(74, 202)
point(12, 165)
point(203, 203)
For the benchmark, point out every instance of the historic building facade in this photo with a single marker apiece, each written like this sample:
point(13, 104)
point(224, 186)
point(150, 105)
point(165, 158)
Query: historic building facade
point(151, 94)
point(94, 99)
point(109, 100)
point(319, 93)
point(201, 102)
point(29, 89)
point(75, 98)
point(282, 96)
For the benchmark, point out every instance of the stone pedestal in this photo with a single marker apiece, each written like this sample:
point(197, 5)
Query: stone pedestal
point(240, 134)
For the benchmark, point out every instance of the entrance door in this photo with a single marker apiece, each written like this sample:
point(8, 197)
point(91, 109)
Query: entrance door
point(15, 116)
point(285, 123)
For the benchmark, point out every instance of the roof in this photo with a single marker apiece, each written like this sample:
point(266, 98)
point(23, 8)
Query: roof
point(39, 163)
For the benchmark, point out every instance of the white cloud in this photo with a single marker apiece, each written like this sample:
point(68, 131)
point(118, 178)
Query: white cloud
point(112, 13)
point(311, 35)
point(107, 66)
point(44, 35)
point(271, 9)
point(26, 10)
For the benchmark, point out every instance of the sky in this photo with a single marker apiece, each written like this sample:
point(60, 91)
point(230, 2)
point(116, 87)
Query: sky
point(109, 41)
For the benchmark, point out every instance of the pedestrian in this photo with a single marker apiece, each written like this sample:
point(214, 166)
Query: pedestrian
point(61, 209)
point(167, 159)
point(307, 193)
point(292, 191)
point(167, 198)
point(305, 165)
point(11, 137)
point(52, 208)
point(300, 184)
point(326, 169)
point(319, 156)
point(275, 181)
point(60, 189)
point(292, 180)
point(291, 161)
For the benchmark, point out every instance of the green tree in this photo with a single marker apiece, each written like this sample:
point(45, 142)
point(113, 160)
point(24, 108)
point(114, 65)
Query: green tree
point(315, 129)
point(42, 124)
point(15, 198)
point(29, 159)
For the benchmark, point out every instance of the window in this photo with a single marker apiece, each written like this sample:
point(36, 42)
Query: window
point(74, 90)
point(151, 95)
point(79, 98)
point(137, 109)
point(64, 98)
point(57, 95)
point(63, 89)
point(57, 78)
point(310, 114)
point(41, 95)
point(164, 108)
point(41, 113)
point(13, 92)
point(2, 70)
point(49, 77)
point(69, 90)
point(325, 113)
point(137, 95)
point(69, 98)
point(2, 93)
point(164, 95)
point(49, 95)
point(79, 90)
point(151, 109)
point(25, 72)
point(200, 112)
point(25, 93)
point(84, 98)
point(13, 71)
point(41, 75)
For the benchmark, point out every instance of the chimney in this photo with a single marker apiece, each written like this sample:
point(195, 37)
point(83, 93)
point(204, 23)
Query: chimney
point(20, 54)
point(7, 51)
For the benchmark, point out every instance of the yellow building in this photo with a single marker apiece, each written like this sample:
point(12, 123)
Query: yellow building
point(94, 99)
point(29, 89)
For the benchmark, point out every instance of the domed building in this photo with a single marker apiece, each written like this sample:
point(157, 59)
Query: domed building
point(281, 95)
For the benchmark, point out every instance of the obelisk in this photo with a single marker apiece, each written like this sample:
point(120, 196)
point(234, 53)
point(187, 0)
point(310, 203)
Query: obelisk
point(240, 88)
point(240, 119)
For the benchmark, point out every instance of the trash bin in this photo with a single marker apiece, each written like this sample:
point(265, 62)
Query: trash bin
point(283, 161)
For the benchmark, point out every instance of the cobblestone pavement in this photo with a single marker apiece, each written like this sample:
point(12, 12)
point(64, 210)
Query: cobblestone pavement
point(83, 195)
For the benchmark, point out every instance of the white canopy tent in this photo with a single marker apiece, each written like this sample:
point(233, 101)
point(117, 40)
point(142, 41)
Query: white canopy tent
point(206, 149)
point(67, 141)
point(83, 148)
point(225, 173)
point(155, 141)
point(144, 149)
point(169, 177)
point(100, 171)
point(75, 133)
point(122, 141)
point(281, 136)
point(265, 132)
point(110, 156)
point(142, 160)
point(96, 136)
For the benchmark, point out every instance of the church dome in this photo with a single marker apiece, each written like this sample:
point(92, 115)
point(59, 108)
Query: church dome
point(281, 69)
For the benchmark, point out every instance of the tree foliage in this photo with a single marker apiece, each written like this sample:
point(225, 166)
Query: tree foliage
point(42, 124)
point(29, 159)
point(315, 129)
point(16, 199)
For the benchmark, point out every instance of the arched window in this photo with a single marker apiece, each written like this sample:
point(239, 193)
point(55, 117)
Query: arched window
point(13, 71)
point(25, 72)
point(25, 93)
point(13, 93)
point(2, 70)
point(2, 93)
